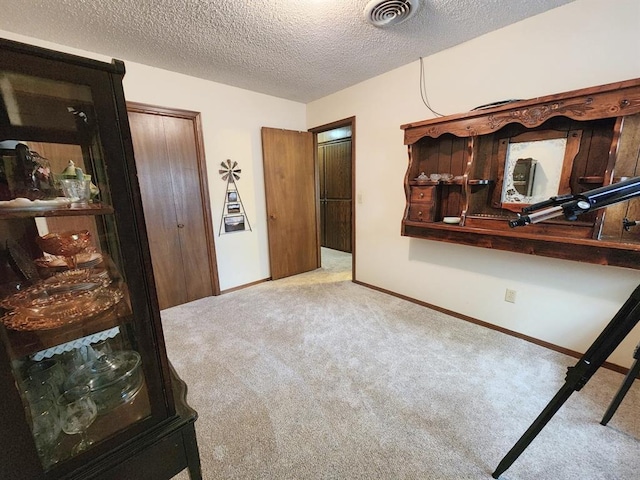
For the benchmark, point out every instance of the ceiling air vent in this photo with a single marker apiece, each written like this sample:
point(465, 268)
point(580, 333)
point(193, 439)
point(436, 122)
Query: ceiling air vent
point(384, 13)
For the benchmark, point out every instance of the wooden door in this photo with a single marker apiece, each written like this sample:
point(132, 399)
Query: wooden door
point(176, 205)
point(334, 160)
point(289, 177)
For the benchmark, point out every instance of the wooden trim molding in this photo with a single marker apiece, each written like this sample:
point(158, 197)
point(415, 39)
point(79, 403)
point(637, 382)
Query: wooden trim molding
point(536, 341)
point(246, 285)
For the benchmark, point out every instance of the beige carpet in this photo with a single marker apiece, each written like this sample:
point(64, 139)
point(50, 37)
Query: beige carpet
point(314, 377)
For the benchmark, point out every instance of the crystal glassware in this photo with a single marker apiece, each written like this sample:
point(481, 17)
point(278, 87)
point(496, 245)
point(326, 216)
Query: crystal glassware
point(65, 244)
point(77, 412)
point(113, 378)
point(47, 371)
point(45, 426)
point(76, 190)
point(37, 389)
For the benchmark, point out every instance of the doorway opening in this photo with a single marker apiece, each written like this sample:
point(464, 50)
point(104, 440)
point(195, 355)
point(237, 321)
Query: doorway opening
point(334, 150)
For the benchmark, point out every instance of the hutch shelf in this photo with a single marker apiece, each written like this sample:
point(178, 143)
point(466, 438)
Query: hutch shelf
point(503, 158)
point(87, 389)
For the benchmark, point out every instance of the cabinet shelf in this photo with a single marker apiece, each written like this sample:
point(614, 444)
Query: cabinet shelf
point(429, 183)
point(25, 343)
point(598, 180)
point(465, 234)
point(64, 211)
point(423, 183)
point(581, 249)
point(591, 180)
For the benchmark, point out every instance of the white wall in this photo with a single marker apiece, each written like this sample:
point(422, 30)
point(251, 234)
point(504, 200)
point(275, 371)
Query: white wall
point(582, 44)
point(231, 122)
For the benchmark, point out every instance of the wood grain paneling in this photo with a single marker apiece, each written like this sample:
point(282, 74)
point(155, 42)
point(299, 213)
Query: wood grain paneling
point(338, 225)
point(334, 160)
point(626, 166)
point(337, 173)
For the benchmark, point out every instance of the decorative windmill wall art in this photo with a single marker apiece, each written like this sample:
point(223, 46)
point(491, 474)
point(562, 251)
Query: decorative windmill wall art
point(234, 218)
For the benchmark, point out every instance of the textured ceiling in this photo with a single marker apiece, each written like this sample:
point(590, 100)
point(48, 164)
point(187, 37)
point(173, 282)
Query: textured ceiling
point(301, 50)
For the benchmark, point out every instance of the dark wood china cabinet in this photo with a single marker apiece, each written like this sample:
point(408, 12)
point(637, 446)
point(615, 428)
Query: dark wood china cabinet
point(470, 174)
point(87, 389)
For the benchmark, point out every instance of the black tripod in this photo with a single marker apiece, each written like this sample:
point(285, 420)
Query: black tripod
point(578, 375)
point(624, 388)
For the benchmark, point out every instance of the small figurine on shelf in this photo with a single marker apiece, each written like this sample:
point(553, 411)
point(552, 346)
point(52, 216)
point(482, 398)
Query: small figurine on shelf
point(422, 178)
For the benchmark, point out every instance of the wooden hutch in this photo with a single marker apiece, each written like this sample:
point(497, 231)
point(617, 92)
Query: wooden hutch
point(506, 156)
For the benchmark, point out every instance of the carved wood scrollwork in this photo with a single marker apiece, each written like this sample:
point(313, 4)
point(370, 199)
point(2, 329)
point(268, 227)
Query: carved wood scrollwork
point(606, 101)
point(535, 116)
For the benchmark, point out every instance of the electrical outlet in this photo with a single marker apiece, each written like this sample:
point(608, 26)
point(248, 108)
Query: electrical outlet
point(510, 296)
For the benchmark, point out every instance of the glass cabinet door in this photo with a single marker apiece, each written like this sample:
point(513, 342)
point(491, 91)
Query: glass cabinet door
point(74, 314)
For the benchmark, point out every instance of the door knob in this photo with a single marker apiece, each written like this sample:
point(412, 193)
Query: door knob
point(181, 225)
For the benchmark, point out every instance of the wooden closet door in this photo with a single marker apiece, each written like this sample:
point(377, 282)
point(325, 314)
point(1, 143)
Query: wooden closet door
point(185, 178)
point(165, 153)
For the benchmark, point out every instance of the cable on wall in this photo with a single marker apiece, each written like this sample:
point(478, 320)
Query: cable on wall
point(423, 90)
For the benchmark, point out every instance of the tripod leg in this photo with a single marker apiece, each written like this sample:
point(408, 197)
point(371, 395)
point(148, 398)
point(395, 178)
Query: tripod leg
point(577, 376)
point(624, 388)
point(538, 424)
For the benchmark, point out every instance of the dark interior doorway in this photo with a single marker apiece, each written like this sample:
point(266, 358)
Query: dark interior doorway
point(335, 166)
